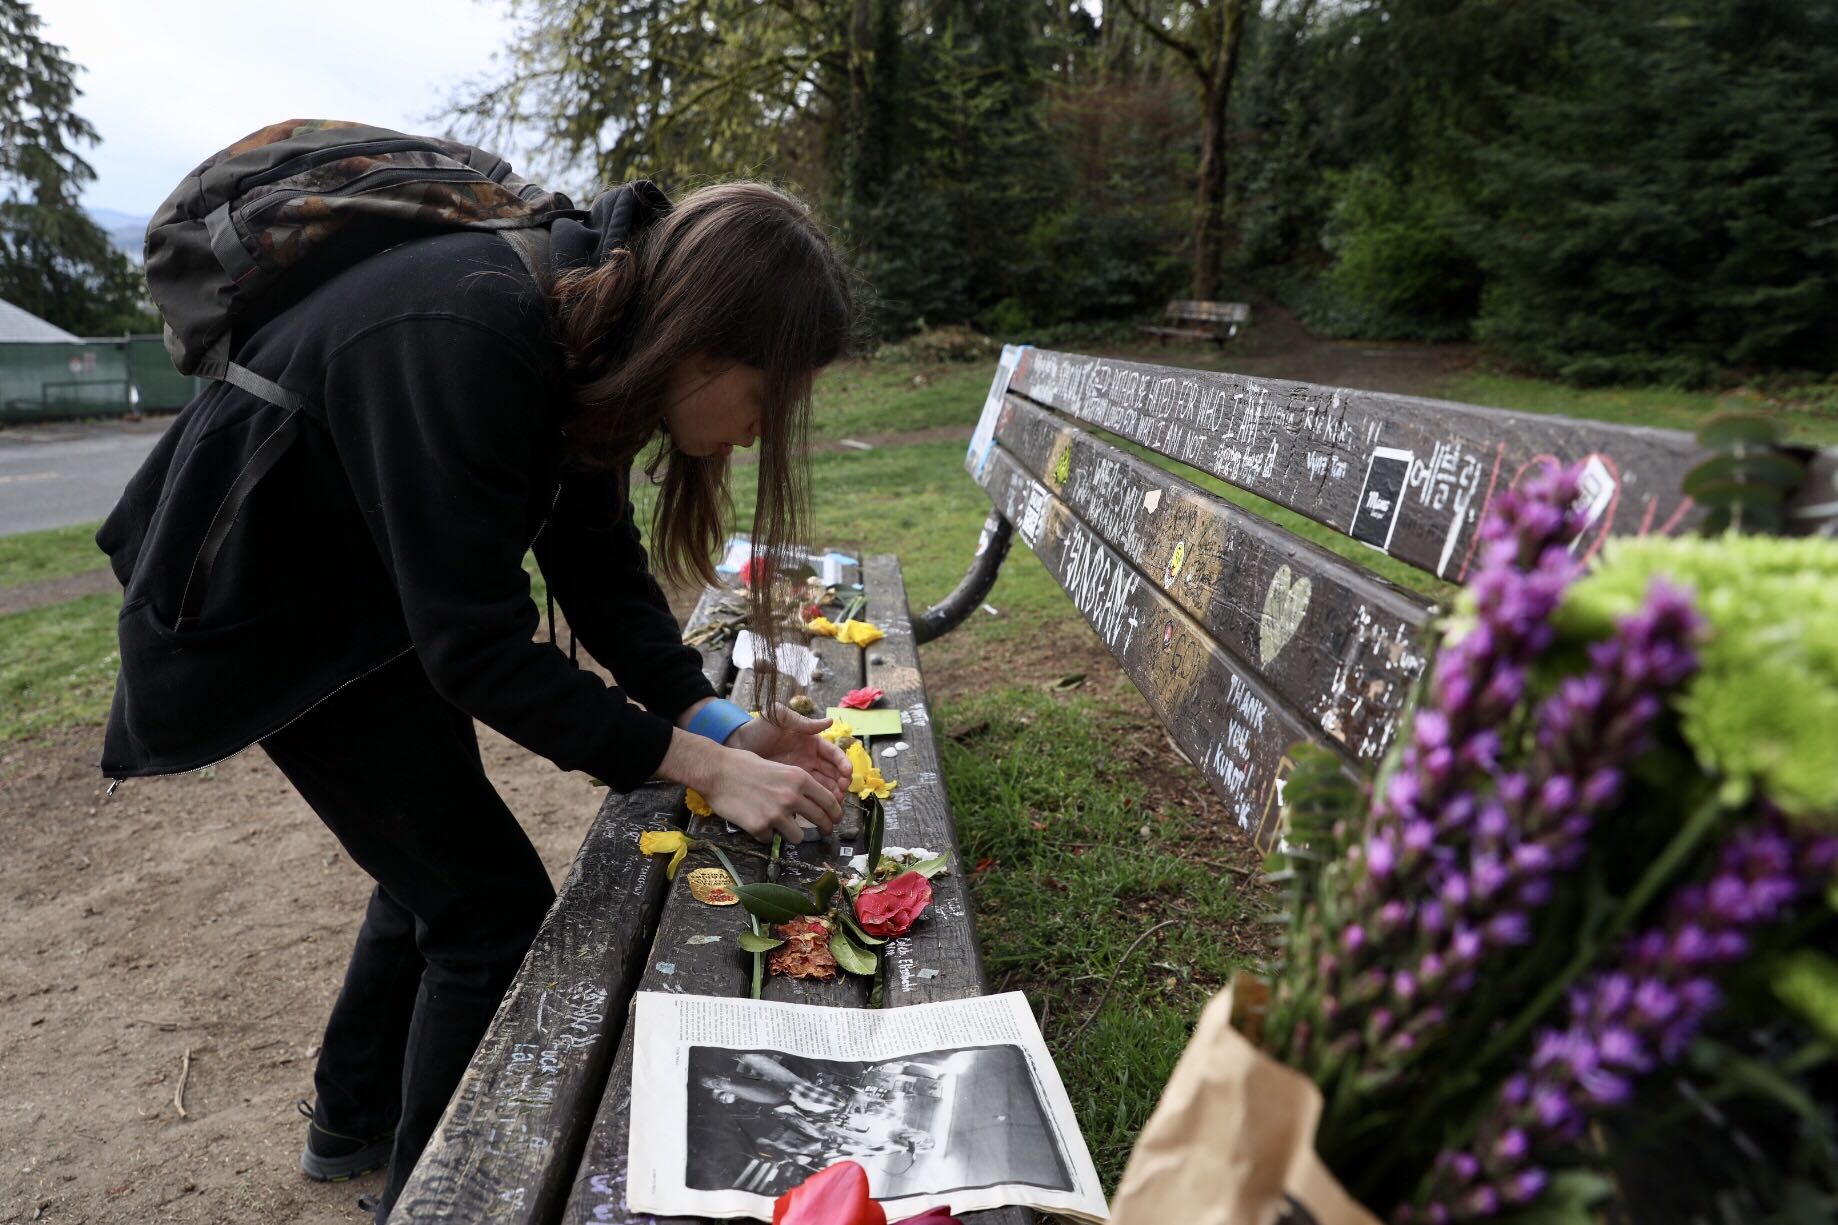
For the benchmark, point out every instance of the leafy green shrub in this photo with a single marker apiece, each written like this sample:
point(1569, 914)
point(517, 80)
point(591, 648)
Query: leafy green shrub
point(1398, 266)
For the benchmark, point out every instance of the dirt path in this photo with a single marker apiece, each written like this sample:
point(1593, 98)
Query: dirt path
point(56, 590)
point(1276, 345)
point(211, 913)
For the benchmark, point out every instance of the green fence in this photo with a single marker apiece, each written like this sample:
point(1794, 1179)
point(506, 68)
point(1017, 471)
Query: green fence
point(107, 376)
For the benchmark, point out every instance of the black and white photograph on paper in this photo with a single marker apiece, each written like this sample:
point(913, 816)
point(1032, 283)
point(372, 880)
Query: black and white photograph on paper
point(936, 1121)
point(952, 1104)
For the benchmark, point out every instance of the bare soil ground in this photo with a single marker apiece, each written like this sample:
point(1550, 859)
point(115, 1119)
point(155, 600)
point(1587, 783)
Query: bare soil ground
point(214, 913)
point(211, 913)
point(22, 596)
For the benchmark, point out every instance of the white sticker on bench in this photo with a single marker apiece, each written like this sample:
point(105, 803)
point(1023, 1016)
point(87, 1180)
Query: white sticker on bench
point(793, 659)
point(983, 440)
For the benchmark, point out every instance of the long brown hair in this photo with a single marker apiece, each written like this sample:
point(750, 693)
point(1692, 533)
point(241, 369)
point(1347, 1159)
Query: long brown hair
point(737, 271)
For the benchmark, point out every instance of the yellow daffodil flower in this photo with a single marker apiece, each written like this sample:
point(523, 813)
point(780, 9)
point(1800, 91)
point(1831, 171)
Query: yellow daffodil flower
point(859, 633)
point(859, 762)
point(671, 842)
point(836, 731)
point(821, 626)
point(696, 803)
point(865, 777)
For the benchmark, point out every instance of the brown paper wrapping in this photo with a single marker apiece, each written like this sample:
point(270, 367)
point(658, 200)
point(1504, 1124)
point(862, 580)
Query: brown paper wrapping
point(1232, 1142)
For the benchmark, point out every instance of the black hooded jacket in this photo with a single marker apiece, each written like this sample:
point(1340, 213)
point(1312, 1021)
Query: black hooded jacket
point(396, 520)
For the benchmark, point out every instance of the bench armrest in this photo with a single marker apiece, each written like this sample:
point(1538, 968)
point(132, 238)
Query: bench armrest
point(973, 588)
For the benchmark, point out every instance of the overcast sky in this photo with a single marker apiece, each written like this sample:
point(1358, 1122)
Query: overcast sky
point(168, 82)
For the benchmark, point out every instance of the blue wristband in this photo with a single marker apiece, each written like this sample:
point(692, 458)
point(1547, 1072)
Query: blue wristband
point(718, 720)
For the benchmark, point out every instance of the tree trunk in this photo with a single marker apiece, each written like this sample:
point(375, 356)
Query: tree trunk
point(856, 170)
point(1207, 221)
point(1209, 192)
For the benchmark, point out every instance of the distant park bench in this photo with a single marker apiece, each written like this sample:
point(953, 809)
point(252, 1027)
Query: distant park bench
point(1244, 637)
point(1188, 320)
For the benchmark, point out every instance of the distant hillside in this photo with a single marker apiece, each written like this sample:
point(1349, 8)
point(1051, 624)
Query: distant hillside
point(127, 232)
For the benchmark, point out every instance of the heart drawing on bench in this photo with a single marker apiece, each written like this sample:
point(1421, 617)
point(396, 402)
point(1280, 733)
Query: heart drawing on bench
point(1284, 607)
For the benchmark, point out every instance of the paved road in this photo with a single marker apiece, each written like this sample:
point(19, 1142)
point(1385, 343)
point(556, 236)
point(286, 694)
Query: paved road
point(56, 475)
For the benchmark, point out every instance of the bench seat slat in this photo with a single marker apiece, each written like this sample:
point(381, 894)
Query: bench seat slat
point(939, 959)
point(1409, 476)
point(1232, 725)
point(711, 967)
point(1337, 642)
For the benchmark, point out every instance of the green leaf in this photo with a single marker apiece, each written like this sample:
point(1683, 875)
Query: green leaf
point(1737, 430)
point(825, 889)
point(929, 868)
point(1776, 471)
point(776, 903)
point(1807, 982)
point(850, 955)
point(855, 930)
point(752, 942)
point(1566, 1201)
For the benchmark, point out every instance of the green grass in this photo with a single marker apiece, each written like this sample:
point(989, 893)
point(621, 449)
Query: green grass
point(917, 501)
point(57, 668)
point(31, 557)
point(1050, 797)
point(857, 398)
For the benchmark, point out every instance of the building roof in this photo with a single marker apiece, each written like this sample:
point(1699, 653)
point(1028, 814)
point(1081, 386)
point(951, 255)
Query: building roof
point(17, 324)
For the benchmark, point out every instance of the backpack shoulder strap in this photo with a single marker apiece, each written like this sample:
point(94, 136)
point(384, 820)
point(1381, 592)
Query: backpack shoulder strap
point(532, 247)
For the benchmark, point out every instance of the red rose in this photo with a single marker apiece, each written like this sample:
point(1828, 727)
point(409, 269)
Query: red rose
point(834, 1196)
point(889, 910)
point(755, 568)
point(862, 699)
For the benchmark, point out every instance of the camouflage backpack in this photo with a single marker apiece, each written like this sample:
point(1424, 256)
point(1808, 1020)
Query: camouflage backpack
point(278, 211)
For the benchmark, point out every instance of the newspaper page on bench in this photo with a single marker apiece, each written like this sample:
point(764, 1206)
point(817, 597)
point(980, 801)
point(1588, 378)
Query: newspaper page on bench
point(734, 1102)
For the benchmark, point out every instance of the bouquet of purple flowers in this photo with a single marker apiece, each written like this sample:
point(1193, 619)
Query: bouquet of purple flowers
point(1571, 954)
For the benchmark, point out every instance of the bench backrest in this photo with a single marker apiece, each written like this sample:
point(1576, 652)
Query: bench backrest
point(1245, 637)
point(1209, 312)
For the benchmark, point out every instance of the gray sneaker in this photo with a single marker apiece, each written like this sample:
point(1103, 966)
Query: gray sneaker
point(333, 1156)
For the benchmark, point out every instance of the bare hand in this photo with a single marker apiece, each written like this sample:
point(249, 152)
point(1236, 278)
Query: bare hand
point(766, 797)
point(789, 737)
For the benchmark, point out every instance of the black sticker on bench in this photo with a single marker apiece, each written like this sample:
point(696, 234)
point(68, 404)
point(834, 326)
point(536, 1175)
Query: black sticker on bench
point(1380, 497)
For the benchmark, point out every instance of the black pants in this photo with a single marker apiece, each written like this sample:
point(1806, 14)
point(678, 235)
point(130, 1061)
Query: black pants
point(394, 771)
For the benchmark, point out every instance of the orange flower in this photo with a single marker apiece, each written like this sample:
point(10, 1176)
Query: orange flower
point(806, 951)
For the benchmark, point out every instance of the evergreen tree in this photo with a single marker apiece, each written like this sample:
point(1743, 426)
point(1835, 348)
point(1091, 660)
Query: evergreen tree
point(54, 260)
point(1653, 209)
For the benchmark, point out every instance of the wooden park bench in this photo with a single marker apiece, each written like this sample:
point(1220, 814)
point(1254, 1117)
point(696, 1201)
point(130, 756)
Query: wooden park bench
point(1214, 321)
point(1244, 637)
